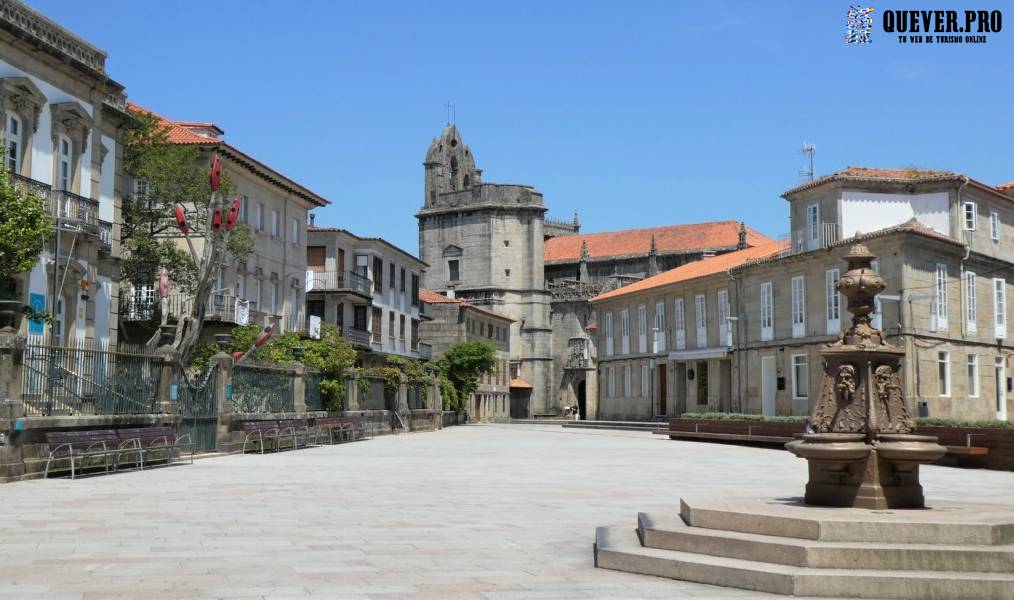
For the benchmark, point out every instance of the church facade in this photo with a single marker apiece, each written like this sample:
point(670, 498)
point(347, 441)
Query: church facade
point(491, 245)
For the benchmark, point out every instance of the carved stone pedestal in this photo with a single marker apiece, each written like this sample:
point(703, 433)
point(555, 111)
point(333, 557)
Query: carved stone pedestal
point(871, 482)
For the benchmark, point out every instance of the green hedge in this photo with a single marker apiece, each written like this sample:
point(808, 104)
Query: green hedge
point(941, 422)
point(719, 416)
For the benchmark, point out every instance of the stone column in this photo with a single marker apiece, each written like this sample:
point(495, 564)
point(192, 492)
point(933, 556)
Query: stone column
point(299, 389)
point(166, 404)
point(351, 390)
point(435, 401)
point(402, 405)
point(223, 399)
point(12, 465)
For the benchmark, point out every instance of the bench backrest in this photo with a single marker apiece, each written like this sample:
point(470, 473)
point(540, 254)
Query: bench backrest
point(81, 439)
point(147, 434)
point(294, 423)
point(260, 425)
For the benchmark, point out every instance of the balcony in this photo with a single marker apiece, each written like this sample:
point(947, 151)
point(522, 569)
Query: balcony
point(69, 210)
point(359, 338)
point(105, 236)
point(339, 281)
point(824, 235)
point(424, 350)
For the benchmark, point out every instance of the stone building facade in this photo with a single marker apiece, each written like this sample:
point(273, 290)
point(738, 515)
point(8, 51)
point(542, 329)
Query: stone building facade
point(492, 246)
point(369, 289)
point(944, 247)
point(452, 320)
point(62, 121)
point(273, 278)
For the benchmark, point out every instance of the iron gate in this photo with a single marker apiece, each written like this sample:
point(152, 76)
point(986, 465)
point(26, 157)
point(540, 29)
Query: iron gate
point(198, 407)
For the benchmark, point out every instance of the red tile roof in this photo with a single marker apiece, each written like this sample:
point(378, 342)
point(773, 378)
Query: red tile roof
point(436, 298)
point(670, 239)
point(699, 268)
point(1005, 186)
point(179, 134)
point(907, 175)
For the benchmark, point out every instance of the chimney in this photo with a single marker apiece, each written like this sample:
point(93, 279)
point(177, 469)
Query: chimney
point(313, 218)
point(741, 245)
point(653, 258)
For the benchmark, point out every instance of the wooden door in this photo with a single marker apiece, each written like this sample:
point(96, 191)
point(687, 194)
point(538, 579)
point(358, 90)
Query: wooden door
point(315, 258)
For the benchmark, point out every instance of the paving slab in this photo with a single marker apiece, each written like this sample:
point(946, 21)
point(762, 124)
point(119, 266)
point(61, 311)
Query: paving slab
point(491, 511)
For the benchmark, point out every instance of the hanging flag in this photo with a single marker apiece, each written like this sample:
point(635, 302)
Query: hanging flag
point(242, 311)
point(216, 172)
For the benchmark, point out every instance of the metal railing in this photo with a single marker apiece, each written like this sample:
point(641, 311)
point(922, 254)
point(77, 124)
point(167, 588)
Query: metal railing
point(312, 379)
point(425, 351)
point(69, 209)
point(261, 389)
point(337, 281)
point(106, 235)
point(84, 379)
point(803, 240)
point(357, 337)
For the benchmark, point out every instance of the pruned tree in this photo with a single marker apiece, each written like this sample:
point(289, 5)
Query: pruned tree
point(24, 228)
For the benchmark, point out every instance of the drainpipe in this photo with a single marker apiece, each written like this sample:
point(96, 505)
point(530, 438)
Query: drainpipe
point(961, 266)
point(740, 380)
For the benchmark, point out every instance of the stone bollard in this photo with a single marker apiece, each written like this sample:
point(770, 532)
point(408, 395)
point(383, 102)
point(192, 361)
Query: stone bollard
point(12, 350)
point(402, 405)
point(436, 402)
point(166, 403)
point(223, 400)
point(299, 388)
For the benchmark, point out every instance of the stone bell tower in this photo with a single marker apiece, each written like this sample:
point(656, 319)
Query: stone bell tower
point(449, 166)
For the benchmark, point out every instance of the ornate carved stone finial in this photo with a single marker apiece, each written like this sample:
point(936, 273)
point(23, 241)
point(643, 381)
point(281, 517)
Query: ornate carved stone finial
point(654, 248)
point(860, 285)
point(585, 255)
point(741, 244)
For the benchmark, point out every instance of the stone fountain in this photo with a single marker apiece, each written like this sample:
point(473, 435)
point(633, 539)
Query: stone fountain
point(863, 451)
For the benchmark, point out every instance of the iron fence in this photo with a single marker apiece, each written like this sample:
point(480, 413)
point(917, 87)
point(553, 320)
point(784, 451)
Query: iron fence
point(375, 397)
point(261, 389)
point(311, 385)
point(197, 405)
point(88, 379)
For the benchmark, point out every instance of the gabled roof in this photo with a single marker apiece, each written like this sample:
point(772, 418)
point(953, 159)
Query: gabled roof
point(669, 239)
point(897, 176)
point(699, 268)
point(436, 298)
point(179, 133)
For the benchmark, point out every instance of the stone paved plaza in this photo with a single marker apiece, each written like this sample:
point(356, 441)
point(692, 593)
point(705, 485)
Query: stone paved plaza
point(497, 512)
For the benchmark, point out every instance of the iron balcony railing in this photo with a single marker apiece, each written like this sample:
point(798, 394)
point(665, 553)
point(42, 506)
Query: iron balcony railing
point(146, 306)
point(822, 235)
point(425, 351)
point(359, 338)
point(338, 281)
point(106, 235)
point(69, 209)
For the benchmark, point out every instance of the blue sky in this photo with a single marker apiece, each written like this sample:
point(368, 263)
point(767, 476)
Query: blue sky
point(632, 113)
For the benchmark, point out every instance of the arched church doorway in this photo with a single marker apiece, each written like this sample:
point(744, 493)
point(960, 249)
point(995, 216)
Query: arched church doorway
point(582, 402)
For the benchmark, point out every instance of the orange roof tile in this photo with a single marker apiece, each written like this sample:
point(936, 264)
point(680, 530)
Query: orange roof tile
point(910, 174)
point(1005, 186)
point(518, 383)
point(436, 298)
point(699, 268)
point(670, 239)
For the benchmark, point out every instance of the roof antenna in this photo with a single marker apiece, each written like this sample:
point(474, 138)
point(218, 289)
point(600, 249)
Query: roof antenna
point(452, 112)
point(808, 150)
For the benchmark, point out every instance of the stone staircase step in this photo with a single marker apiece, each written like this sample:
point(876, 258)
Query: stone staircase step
point(942, 524)
point(619, 548)
point(670, 532)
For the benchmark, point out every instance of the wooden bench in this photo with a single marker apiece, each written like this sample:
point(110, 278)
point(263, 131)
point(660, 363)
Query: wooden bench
point(260, 432)
point(81, 450)
point(343, 429)
point(967, 450)
point(297, 428)
point(153, 444)
point(729, 437)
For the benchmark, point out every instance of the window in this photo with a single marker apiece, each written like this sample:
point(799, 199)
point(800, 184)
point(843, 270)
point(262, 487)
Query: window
point(610, 381)
point(701, 320)
point(645, 383)
point(65, 157)
point(767, 311)
point(679, 316)
point(702, 382)
point(401, 327)
point(607, 331)
point(994, 225)
point(415, 334)
point(402, 281)
point(724, 331)
point(943, 373)
point(392, 276)
point(798, 307)
point(659, 333)
point(359, 317)
point(800, 377)
point(244, 206)
point(13, 139)
point(625, 331)
point(274, 224)
point(452, 270)
point(813, 225)
point(294, 234)
point(239, 287)
point(969, 216)
point(273, 298)
point(489, 330)
point(259, 217)
point(941, 298)
point(833, 301)
point(378, 274)
point(626, 381)
point(415, 289)
point(973, 375)
point(255, 295)
point(970, 308)
point(1000, 306)
point(390, 329)
point(642, 329)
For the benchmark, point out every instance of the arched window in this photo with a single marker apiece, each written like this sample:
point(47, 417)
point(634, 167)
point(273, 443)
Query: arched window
point(64, 158)
point(454, 172)
point(12, 135)
point(467, 181)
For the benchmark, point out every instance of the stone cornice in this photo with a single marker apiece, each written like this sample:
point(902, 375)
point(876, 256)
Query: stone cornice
point(33, 27)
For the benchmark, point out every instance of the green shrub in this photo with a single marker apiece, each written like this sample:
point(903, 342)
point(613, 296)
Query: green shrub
point(942, 422)
point(720, 416)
